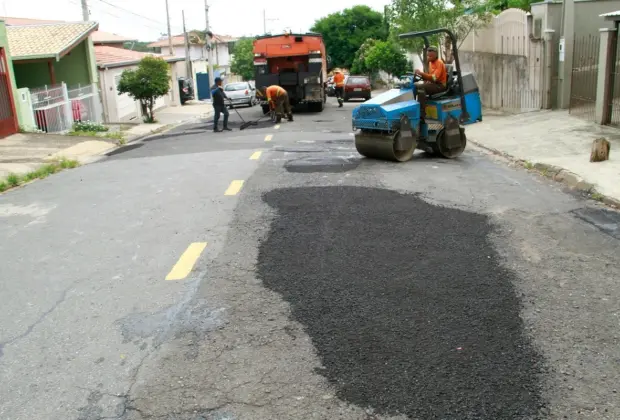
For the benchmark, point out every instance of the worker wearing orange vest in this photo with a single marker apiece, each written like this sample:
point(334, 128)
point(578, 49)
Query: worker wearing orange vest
point(339, 89)
point(278, 100)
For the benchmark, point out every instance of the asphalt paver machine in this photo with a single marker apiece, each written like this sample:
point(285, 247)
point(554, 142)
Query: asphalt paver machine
point(389, 127)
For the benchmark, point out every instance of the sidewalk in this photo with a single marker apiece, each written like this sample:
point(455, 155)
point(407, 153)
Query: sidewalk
point(26, 152)
point(555, 143)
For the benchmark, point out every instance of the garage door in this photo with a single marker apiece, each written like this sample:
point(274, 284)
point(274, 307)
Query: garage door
point(125, 105)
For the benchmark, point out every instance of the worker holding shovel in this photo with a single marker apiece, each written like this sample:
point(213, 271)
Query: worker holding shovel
point(218, 95)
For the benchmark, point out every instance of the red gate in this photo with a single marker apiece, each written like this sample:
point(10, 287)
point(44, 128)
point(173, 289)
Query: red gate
point(8, 119)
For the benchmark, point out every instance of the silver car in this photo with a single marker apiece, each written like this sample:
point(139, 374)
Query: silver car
point(240, 93)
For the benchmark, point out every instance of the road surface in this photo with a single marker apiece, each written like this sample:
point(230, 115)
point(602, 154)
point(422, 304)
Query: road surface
point(272, 273)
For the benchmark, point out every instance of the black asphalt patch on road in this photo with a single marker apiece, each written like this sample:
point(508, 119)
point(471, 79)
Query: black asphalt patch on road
point(329, 164)
point(124, 149)
point(407, 303)
point(606, 220)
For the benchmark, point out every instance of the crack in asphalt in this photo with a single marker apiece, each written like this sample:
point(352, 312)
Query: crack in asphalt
point(41, 318)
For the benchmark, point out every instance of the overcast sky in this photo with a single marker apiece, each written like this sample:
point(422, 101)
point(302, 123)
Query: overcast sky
point(227, 17)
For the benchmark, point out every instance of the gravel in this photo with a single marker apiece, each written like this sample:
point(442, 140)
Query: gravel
point(407, 303)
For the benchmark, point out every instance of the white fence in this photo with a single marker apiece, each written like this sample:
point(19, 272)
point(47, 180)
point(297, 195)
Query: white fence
point(508, 65)
point(55, 108)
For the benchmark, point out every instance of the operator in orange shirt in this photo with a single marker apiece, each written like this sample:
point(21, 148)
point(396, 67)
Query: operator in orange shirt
point(434, 82)
point(278, 100)
point(339, 89)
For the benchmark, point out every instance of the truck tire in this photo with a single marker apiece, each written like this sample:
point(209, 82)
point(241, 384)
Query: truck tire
point(316, 106)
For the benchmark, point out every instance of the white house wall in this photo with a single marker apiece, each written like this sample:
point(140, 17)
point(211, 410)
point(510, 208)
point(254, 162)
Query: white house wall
point(122, 108)
point(196, 52)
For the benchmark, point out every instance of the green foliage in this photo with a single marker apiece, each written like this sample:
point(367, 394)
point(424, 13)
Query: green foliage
point(344, 32)
point(90, 126)
point(137, 46)
point(359, 62)
point(243, 60)
point(14, 180)
point(461, 17)
point(145, 84)
point(386, 56)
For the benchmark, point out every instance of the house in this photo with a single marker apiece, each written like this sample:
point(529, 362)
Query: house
point(222, 51)
point(109, 39)
point(111, 62)
point(10, 115)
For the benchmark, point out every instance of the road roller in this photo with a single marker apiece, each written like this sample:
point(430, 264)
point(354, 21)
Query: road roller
point(388, 127)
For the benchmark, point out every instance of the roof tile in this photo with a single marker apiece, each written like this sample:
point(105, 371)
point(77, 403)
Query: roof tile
point(48, 40)
point(106, 56)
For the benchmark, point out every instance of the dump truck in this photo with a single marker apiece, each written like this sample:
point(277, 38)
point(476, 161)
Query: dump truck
point(297, 63)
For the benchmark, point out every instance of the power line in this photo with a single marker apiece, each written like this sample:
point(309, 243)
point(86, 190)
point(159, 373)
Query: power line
point(133, 13)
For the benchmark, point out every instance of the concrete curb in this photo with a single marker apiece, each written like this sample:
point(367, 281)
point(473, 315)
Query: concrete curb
point(558, 174)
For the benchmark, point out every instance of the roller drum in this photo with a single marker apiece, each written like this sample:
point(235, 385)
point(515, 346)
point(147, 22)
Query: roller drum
point(385, 146)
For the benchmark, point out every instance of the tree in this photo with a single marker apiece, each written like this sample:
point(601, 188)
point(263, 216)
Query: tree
point(344, 32)
point(243, 59)
point(386, 56)
point(145, 84)
point(359, 62)
point(461, 17)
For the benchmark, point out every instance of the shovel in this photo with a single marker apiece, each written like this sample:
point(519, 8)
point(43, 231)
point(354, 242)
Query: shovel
point(245, 124)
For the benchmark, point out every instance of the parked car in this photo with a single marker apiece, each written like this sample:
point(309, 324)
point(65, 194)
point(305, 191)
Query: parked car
point(357, 87)
point(241, 93)
point(186, 89)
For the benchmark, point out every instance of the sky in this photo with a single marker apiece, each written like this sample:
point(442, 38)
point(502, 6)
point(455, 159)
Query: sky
point(145, 20)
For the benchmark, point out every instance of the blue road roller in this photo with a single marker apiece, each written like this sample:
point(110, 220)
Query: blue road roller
point(389, 127)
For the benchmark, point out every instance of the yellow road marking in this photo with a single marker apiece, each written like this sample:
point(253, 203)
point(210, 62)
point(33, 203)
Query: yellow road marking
point(234, 187)
point(268, 137)
point(255, 155)
point(185, 264)
point(277, 127)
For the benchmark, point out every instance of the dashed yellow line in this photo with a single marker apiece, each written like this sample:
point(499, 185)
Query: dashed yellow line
point(187, 261)
point(255, 155)
point(268, 137)
point(277, 127)
point(234, 187)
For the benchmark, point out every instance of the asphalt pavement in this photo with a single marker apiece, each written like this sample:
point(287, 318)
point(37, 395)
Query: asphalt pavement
point(273, 273)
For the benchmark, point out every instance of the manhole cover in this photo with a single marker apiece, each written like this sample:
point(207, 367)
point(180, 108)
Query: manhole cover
point(331, 164)
point(124, 149)
point(606, 220)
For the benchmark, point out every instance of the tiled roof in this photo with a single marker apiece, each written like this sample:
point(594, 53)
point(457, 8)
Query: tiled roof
point(100, 37)
point(118, 57)
point(178, 40)
point(47, 40)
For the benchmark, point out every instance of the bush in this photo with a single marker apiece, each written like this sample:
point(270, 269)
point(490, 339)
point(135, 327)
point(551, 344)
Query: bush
point(89, 126)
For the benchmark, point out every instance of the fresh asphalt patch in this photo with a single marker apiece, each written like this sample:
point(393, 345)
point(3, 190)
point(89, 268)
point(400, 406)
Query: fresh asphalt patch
point(407, 303)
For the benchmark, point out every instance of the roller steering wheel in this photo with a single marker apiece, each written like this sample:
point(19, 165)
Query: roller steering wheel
point(417, 78)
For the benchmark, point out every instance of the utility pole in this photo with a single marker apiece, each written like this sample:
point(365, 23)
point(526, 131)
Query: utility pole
point(169, 31)
point(188, 63)
point(264, 21)
point(209, 49)
point(84, 11)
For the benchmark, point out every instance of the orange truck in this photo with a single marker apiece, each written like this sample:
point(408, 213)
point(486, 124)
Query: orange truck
point(296, 62)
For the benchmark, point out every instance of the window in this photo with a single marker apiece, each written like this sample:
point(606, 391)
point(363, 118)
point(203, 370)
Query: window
point(357, 81)
point(235, 86)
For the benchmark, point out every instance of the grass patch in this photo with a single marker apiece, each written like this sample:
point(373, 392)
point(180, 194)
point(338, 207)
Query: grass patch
point(14, 180)
point(528, 165)
point(114, 135)
point(597, 196)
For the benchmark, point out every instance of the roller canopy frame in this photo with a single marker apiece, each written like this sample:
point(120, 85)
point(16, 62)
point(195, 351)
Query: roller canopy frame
point(424, 35)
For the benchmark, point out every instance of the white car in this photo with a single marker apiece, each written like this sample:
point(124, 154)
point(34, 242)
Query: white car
point(240, 93)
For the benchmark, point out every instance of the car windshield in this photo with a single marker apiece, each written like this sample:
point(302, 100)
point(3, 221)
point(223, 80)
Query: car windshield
point(236, 86)
point(357, 80)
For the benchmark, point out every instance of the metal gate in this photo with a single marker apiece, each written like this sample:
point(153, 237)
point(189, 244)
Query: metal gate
point(584, 77)
point(52, 108)
point(8, 117)
point(203, 86)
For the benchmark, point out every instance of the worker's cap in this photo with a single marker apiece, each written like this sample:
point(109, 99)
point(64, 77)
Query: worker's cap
point(431, 49)
point(218, 79)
